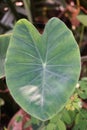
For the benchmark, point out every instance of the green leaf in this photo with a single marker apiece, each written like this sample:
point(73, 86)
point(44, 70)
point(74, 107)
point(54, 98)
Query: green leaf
point(35, 121)
point(66, 117)
point(82, 91)
point(72, 114)
point(84, 79)
point(51, 126)
point(82, 94)
point(19, 118)
point(61, 125)
point(78, 118)
point(81, 117)
point(82, 125)
point(83, 19)
point(55, 118)
point(4, 42)
point(42, 70)
point(27, 124)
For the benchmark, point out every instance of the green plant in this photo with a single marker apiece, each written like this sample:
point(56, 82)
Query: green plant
point(81, 120)
point(82, 90)
point(4, 42)
point(83, 20)
point(42, 70)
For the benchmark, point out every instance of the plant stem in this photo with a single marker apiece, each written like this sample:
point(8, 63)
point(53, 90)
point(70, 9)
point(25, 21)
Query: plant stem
point(81, 36)
point(27, 5)
point(84, 58)
point(78, 3)
point(4, 26)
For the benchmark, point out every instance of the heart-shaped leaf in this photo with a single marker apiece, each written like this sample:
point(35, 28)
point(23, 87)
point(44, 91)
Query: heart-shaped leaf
point(42, 70)
point(4, 42)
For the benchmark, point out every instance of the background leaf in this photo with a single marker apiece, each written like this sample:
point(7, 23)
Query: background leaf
point(66, 117)
point(51, 126)
point(83, 19)
point(61, 125)
point(4, 42)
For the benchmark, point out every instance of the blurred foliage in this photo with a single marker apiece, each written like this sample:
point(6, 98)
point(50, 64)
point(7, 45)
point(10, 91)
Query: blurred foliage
point(82, 91)
point(74, 14)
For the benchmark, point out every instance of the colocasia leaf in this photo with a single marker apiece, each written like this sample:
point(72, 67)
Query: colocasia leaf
point(42, 70)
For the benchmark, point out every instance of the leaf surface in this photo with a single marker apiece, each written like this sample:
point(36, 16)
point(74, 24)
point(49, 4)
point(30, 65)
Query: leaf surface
point(42, 70)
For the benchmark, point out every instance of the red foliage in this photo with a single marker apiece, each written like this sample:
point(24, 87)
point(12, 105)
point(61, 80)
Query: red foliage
point(19, 125)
